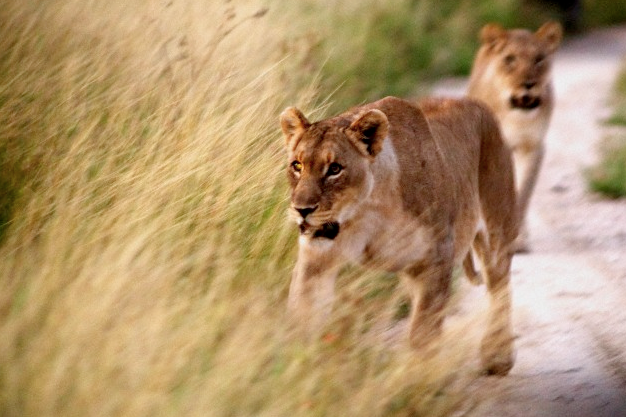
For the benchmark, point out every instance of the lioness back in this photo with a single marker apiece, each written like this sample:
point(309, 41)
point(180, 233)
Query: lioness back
point(477, 157)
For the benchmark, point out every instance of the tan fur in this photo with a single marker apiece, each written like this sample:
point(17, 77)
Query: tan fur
point(405, 188)
point(511, 74)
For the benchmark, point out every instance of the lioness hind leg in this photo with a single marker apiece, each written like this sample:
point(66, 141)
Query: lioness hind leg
point(497, 351)
point(494, 245)
point(429, 288)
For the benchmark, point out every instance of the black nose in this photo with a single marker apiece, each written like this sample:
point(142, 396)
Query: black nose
point(305, 211)
point(529, 84)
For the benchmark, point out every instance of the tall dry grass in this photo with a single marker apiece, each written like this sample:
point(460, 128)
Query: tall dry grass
point(145, 265)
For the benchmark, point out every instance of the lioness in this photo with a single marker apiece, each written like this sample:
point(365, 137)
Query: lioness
point(406, 188)
point(511, 74)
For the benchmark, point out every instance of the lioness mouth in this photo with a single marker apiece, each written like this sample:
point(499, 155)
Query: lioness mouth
point(328, 230)
point(525, 102)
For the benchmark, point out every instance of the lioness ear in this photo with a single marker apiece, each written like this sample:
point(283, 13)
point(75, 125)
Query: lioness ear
point(492, 32)
point(551, 33)
point(293, 123)
point(369, 131)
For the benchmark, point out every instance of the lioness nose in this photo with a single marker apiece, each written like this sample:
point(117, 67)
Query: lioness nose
point(305, 211)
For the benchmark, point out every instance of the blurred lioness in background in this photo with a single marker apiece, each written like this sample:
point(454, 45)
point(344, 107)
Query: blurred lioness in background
point(512, 75)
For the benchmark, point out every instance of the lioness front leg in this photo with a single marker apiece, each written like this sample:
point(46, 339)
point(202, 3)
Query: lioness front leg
point(527, 163)
point(311, 292)
point(429, 288)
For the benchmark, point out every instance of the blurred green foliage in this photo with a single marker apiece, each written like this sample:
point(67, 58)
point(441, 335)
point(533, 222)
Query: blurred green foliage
point(603, 12)
point(395, 48)
point(362, 52)
point(608, 177)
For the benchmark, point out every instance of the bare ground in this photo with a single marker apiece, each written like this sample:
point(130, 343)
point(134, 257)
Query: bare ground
point(569, 293)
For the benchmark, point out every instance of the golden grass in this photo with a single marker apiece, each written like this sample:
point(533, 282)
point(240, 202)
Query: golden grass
point(145, 267)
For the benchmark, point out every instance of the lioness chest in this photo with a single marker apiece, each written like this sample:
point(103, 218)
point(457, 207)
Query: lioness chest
point(384, 237)
point(524, 129)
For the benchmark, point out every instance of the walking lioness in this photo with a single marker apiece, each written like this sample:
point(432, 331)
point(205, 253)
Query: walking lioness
point(409, 189)
point(511, 74)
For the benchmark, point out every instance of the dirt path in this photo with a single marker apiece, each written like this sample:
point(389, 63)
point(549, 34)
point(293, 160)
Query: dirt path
point(570, 292)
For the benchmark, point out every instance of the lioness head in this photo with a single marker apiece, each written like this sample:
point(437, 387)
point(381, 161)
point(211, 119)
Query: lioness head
point(522, 61)
point(329, 167)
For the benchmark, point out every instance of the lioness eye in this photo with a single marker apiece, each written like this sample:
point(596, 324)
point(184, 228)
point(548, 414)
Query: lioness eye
point(334, 169)
point(296, 166)
point(539, 58)
point(509, 59)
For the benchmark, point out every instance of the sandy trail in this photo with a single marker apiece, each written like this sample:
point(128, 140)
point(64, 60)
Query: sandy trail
point(569, 293)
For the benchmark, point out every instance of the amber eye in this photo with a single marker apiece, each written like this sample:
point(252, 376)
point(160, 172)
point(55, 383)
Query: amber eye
point(334, 169)
point(296, 166)
point(539, 58)
point(509, 59)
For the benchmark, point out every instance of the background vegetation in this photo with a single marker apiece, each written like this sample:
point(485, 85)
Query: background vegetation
point(603, 12)
point(368, 49)
point(145, 252)
point(609, 175)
